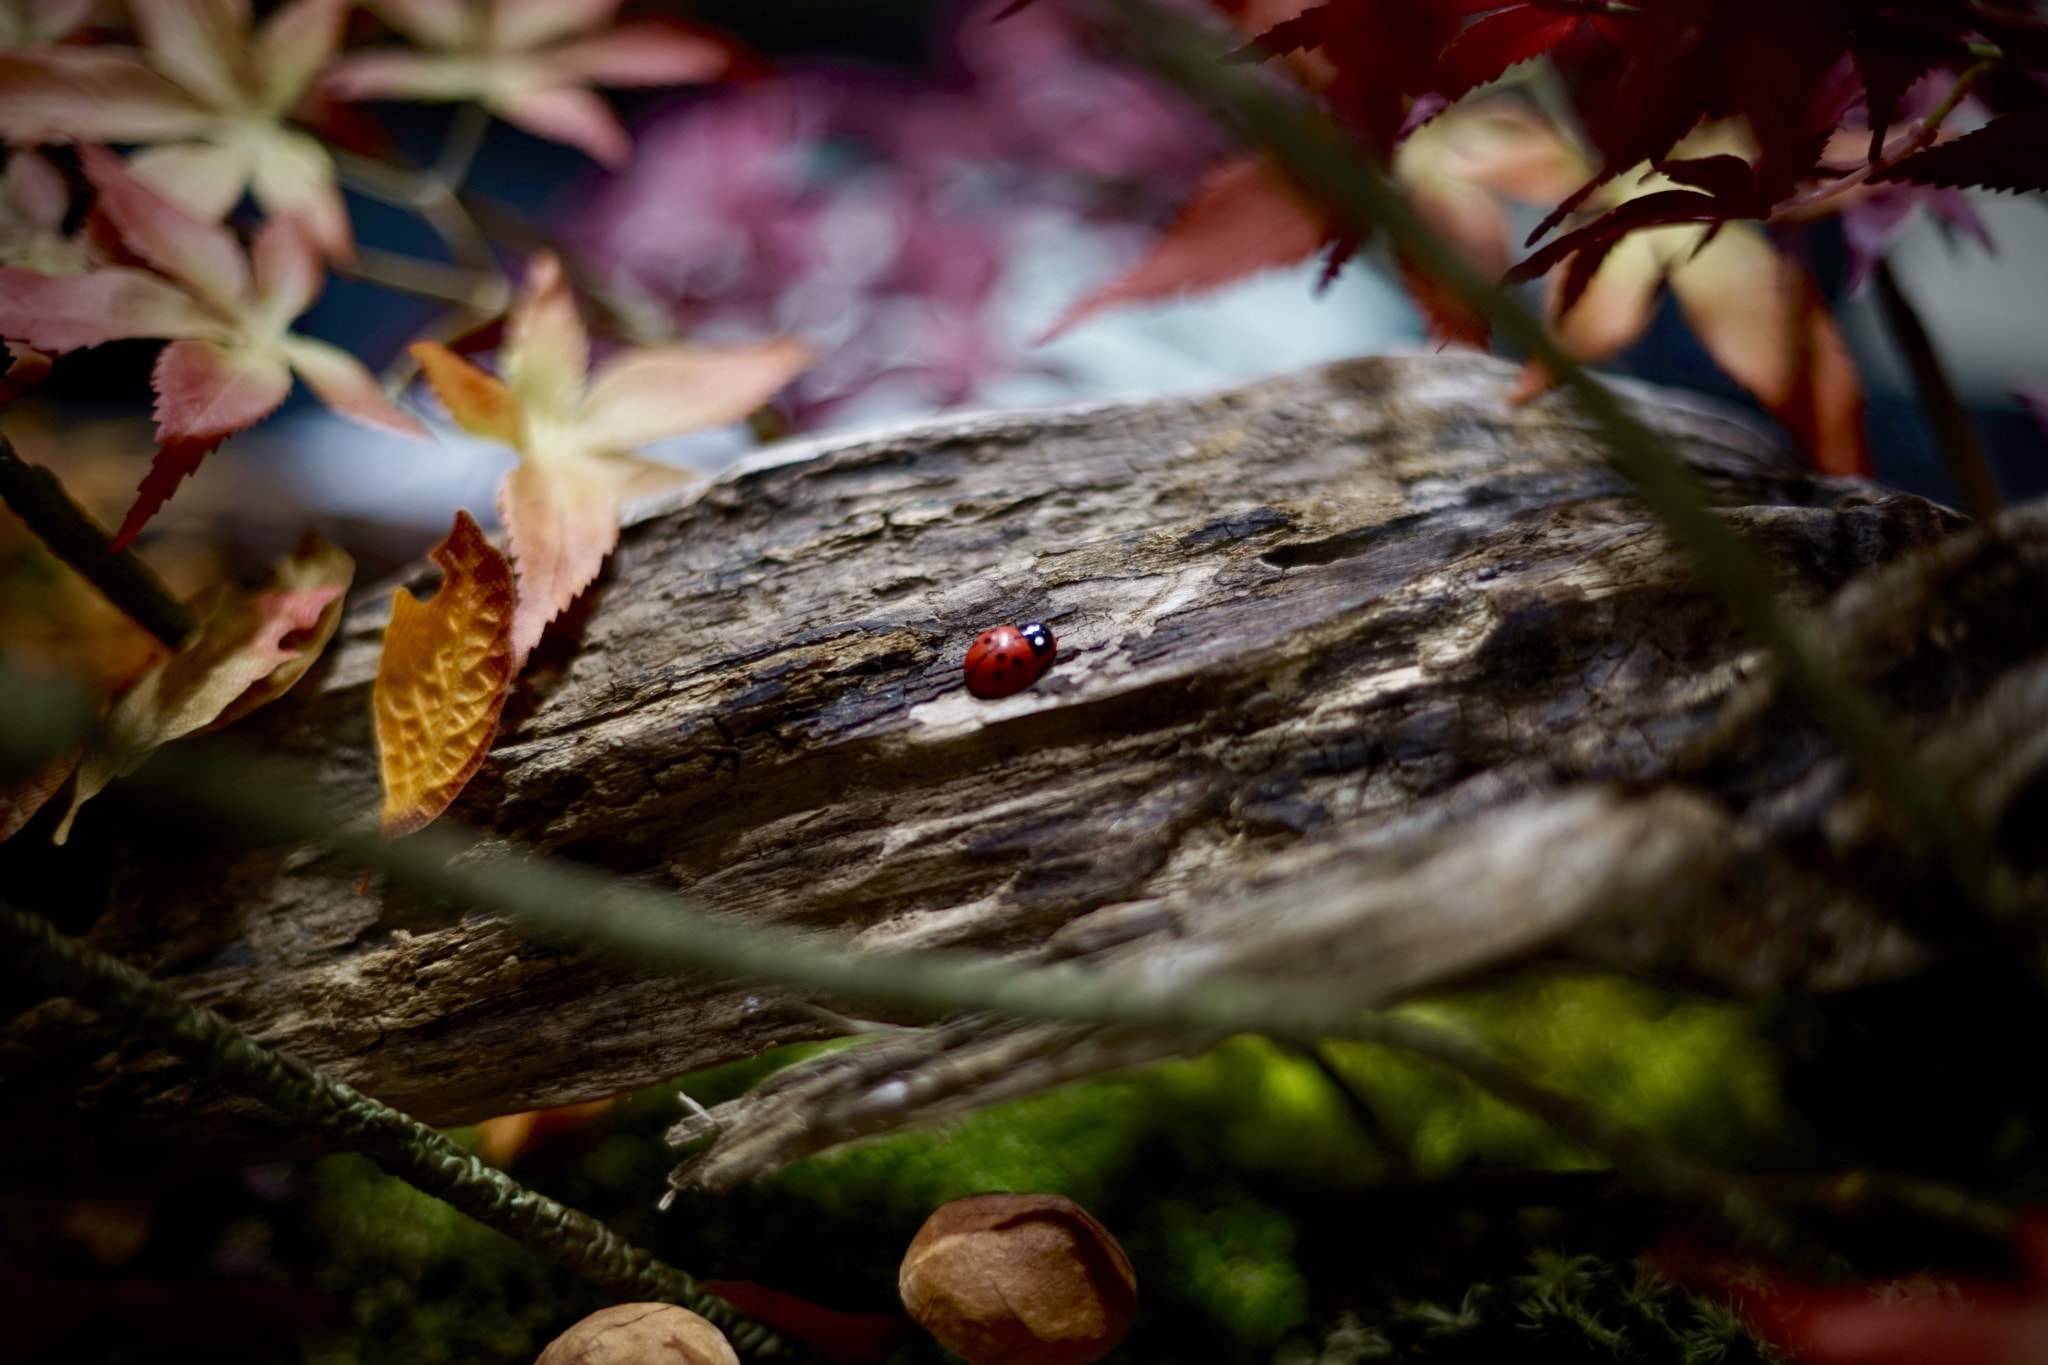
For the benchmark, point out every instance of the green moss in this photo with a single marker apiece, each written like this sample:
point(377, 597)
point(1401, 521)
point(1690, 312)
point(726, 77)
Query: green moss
point(1251, 1196)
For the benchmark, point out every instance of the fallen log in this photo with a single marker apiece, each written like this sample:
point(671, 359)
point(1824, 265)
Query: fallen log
point(1363, 675)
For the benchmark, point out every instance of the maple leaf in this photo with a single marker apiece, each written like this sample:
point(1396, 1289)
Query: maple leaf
point(33, 203)
point(1381, 54)
point(228, 313)
point(250, 648)
point(442, 680)
point(208, 91)
point(560, 504)
point(1456, 169)
point(1513, 34)
point(1246, 217)
point(26, 23)
point(2005, 154)
point(1905, 1321)
point(525, 61)
point(26, 368)
point(1754, 310)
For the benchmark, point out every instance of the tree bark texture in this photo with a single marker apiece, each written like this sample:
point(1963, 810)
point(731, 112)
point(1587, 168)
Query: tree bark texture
point(1364, 676)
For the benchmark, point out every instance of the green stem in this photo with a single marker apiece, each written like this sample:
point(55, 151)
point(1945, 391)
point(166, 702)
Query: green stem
point(36, 496)
point(407, 1149)
point(1322, 159)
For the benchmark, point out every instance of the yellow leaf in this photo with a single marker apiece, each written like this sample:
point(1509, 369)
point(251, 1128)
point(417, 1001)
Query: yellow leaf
point(547, 349)
point(476, 398)
point(250, 648)
point(442, 681)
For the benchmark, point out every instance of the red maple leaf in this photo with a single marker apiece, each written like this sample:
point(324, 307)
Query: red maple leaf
point(1905, 1321)
point(2005, 154)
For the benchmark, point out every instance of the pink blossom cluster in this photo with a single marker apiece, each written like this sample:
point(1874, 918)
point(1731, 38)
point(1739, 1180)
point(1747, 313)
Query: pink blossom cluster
point(874, 216)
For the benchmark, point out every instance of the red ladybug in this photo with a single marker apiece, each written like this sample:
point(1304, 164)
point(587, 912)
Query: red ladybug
point(1008, 659)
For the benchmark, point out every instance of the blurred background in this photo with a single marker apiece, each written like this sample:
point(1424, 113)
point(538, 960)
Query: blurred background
point(917, 190)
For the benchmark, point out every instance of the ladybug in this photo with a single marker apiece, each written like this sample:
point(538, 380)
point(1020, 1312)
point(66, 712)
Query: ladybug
point(1008, 659)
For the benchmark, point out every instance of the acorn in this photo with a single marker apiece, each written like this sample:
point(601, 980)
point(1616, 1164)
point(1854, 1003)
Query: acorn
point(1019, 1279)
point(641, 1334)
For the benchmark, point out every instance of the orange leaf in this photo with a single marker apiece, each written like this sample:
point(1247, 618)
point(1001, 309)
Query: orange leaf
point(561, 516)
point(442, 681)
point(474, 397)
point(503, 1139)
point(249, 649)
point(1246, 217)
point(1759, 314)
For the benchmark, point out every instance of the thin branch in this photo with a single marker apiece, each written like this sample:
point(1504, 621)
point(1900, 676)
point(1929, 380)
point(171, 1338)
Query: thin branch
point(476, 291)
point(459, 147)
point(404, 1147)
point(1322, 159)
point(424, 193)
point(1948, 421)
point(36, 496)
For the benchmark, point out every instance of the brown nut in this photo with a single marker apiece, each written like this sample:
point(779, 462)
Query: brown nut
point(640, 1334)
point(1019, 1279)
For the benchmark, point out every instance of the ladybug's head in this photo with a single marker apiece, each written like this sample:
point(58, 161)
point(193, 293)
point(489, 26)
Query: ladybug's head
point(1038, 637)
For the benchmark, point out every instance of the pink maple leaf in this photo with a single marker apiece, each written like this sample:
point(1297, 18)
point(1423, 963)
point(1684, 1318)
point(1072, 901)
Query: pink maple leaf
point(226, 312)
point(208, 92)
point(531, 62)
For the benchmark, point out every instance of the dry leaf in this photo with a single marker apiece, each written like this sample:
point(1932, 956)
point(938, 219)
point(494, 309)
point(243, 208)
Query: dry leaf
point(250, 648)
point(442, 681)
point(20, 802)
point(561, 505)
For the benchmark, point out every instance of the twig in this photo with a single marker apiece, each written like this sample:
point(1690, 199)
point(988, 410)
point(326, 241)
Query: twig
point(478, 292)
point(1364, 1113)
point(1947, 419)
point(424, 193)
point(36, 496)
point(460, 145)
point(403, 1147)
point(1853, 1192)
point(1321, 158)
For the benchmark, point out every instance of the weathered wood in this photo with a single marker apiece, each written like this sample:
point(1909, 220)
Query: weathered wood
point(1362, 673)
